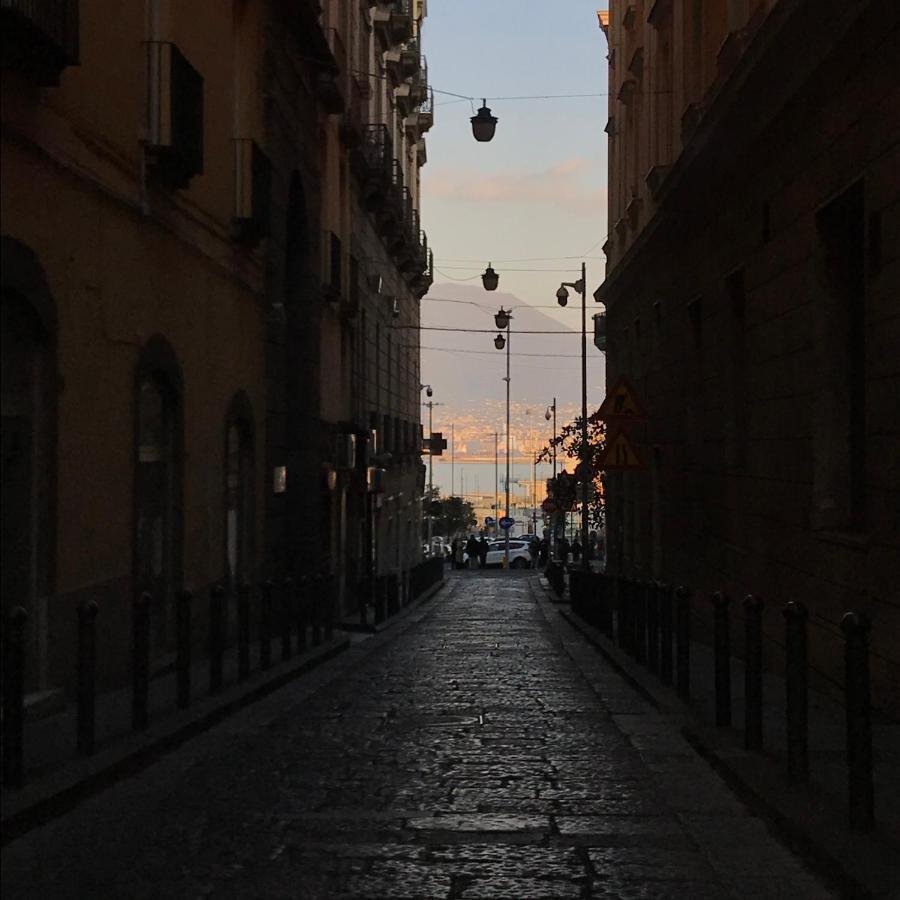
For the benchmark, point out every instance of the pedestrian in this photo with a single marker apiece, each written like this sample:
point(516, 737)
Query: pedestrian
point(562, 549)
point(482, 552)
point(472, 551)
point(576, 550)
point(534, 550)
point(460, 555)
point(543, 552)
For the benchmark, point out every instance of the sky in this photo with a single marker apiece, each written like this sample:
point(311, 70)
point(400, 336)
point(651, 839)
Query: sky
point(531, 200)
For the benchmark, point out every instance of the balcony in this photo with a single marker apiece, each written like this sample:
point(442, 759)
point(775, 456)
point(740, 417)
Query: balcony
point(252, 192)
point(392, 21)
point(39, 38)
point(409, 59)
point(331, 266)
point(174, 115)
point(331, 74)
point(422, 279)
point(389, 215)
point(371, 162)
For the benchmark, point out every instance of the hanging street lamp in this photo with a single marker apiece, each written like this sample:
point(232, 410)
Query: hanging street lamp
point(490, 279)
point(499, 342)
point(501, 319)
point(483, 124)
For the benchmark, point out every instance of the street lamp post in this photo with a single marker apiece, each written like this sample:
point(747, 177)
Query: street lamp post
point(502, 320)
point(431, 405)
point(584, 472)
point(551, 413)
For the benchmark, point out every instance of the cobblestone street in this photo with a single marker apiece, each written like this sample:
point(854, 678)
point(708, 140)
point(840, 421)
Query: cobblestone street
point(479, 749)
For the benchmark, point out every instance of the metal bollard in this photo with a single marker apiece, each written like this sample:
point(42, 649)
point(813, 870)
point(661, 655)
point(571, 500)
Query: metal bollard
point(860, 789)
point(653, 626)
point(317, 609)
point(243, 630)
point(140, 674)
point(621, 612)
point(665, 633)
point(284, 616)
point(683, 642)
point(328, 605)
point(640, 632)
point(216, 636)
point(183, 603)
point(301, 602)
point(722, 658)
point(14, 697)
point(797, 691)
point(753, 727)
point(86, 677)
point(265, 625)
point(363, 588)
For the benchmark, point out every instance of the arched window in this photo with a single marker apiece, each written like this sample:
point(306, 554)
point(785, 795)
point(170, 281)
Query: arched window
point(158, 480)
point(239, 493)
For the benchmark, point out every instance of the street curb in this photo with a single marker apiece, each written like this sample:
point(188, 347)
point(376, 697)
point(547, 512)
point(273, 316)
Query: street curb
point(388, 621)
point(855, 864)
point(38, 803)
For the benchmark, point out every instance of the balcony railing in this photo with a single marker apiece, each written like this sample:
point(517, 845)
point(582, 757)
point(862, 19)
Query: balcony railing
point(39, 38)
point(174, 115)
point(252, 191)
point(401, 21)
point(372, 162)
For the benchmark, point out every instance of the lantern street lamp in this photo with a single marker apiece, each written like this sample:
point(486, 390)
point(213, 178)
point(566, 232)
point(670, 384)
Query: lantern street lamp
point(502, 320)
point(551, 414)
point(490, 279)
point(483, 124)
point(584, 469)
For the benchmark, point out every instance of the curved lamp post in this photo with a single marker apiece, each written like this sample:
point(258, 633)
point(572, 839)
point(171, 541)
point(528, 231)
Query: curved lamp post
point(562, 298)
point(483, 124)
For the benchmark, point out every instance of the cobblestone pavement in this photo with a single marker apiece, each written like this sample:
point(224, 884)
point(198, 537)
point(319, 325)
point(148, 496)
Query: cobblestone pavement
point(481, 750)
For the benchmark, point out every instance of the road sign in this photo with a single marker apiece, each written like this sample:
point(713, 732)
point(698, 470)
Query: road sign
point(506, 522)
point(437, 445)
point(489, 520)
point(622, 403)
point(620, 454)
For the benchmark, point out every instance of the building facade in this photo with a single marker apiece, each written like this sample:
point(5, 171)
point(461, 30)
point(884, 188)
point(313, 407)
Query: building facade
point(194, 278)
point(751, 292)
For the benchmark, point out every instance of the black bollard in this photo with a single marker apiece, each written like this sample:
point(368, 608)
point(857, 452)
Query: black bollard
point(216, 636)
point(665, 633)
point(753, 608)
point(243, 630)
point(328, 604)
point(301, 603)
point(621, 612)
point(722, 658)
point(317, 587)
point(183, 604)
point(640, 632)
point(86, 678)
point(797, 691)
point(364, 588)
point(265, 625)
point(14, 697)
point(285, 612)
point(683, 642)
point(653, 626)
point(860, 788)
point(140, 671)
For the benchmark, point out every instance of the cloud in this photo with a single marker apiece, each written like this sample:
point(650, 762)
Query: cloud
point(565, 183)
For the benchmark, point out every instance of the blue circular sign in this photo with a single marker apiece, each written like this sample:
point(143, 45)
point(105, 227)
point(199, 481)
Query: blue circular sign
point(488, 520)
point(506, 522)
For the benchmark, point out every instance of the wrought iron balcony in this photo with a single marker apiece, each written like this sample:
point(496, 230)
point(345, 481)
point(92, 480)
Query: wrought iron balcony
point(174, 115)
point(409, 59)
point(401, 21)
point(372, 162)
point(252, 192)
point(39, 38)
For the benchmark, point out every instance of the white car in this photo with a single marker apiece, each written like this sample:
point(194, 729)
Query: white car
point(519, 557)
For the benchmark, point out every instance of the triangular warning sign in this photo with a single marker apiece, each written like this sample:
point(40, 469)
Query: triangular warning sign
point(622, 402)
point(620, 454)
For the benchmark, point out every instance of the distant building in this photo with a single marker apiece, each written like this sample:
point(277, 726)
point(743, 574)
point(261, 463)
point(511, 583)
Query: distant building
point(211, 266)
point(752, 291)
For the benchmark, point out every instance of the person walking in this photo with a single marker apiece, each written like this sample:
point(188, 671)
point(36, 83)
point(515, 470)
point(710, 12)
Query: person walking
point(482, 552)
point(562, 548)
point(472, 551)
point(534, 550)
point(576, 550)
point(544, 552)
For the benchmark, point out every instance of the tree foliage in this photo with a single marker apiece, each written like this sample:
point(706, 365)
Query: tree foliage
point(455, 514)
point(569, 446)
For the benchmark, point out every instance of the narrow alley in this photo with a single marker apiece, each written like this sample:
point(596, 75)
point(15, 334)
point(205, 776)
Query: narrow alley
point(478, 748)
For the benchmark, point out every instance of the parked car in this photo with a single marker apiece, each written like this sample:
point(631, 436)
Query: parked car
point(519, 557)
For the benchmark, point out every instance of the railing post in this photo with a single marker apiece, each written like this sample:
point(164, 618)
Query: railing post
point(86, 676)
point(243, 635)
point(183, 603)
point(653, 626)
point(216, 636)
point(683, 642)
point(317, 609)
point(621, 612)
point(140, 693)
point(640, 635)
point(265, 625)
point(797, 691)
point(722, 658)
point(860, 793)
point(665, 633)
point(753, 725)
point(302, 602)
point(364, 588)
point(14, 697)
point(285, 610)
point(329, 592)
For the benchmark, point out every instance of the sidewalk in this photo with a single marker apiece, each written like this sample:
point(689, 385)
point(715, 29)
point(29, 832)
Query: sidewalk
point(57, 780)
point(812, 817)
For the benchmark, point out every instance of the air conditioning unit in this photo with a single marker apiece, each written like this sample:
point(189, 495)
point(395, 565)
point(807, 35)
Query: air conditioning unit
point(345, 451)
